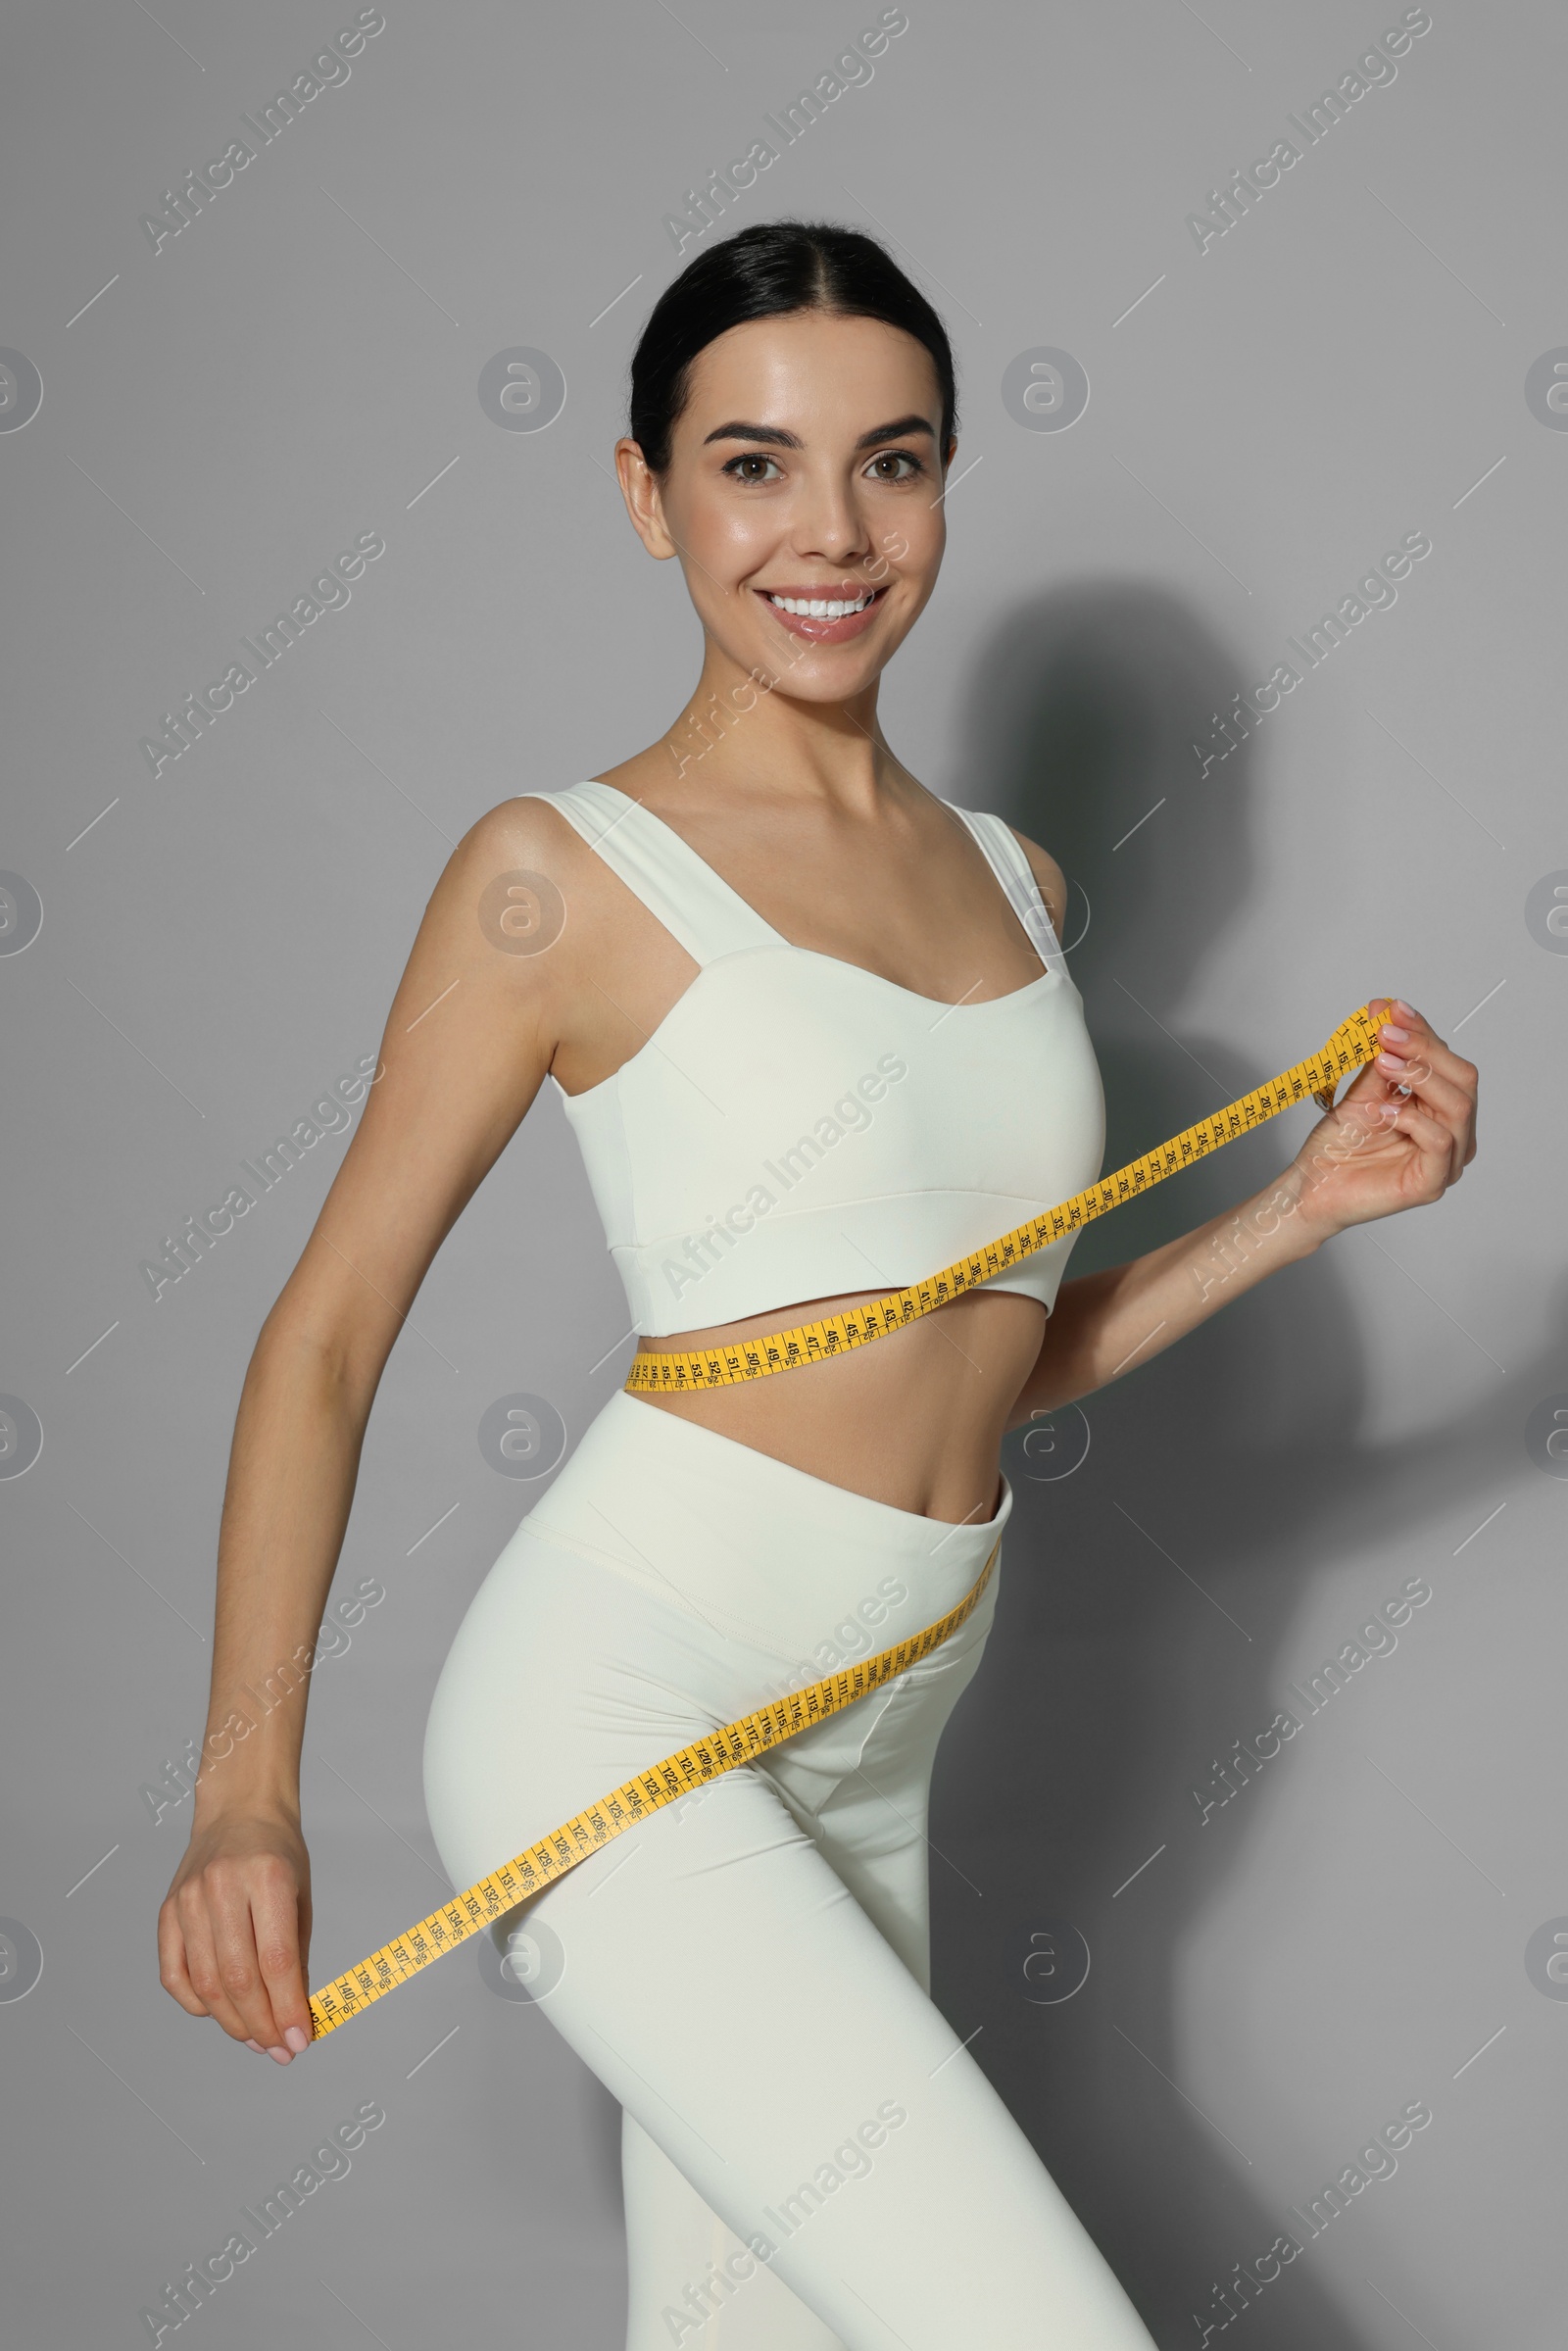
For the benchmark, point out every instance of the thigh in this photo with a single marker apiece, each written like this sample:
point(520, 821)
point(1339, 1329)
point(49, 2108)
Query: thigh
point(859, 1788)
point(771, 2045)
point(690, 2280)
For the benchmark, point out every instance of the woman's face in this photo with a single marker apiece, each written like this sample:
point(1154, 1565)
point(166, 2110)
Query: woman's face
point(805, 466)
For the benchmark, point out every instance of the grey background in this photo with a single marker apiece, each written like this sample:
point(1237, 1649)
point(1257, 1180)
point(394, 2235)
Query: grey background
point(1266, 417)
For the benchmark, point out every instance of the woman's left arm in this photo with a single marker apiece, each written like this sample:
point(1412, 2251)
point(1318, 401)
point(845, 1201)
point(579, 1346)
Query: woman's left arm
point(1403, 1132)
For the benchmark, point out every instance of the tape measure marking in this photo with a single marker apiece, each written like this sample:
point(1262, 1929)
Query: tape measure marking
point(669, 1372)
point(1352, 1045)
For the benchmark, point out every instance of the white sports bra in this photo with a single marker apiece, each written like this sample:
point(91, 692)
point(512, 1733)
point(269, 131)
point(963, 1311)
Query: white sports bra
point(798, 1127)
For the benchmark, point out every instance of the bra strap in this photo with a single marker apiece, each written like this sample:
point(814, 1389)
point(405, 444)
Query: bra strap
point(693, 902)
point(1015, 872)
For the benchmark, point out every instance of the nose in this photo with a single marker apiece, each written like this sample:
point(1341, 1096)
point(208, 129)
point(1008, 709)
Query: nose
point(828, 526)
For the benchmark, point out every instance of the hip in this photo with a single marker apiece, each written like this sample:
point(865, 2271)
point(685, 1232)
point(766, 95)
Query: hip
point(669, 1580)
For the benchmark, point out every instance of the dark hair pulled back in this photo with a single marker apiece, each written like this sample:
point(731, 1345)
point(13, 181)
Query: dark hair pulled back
point(767, 271)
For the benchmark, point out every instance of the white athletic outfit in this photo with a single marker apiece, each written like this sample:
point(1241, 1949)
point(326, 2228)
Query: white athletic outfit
point(811, 2160)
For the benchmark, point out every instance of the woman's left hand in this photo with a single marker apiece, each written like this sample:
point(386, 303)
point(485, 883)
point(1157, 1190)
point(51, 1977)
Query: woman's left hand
point(1403, 1132)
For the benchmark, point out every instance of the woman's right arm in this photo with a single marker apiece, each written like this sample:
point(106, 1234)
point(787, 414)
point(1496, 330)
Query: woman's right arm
point(471, 1031)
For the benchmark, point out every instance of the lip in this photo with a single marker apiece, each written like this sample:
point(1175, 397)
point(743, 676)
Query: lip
point(821, 632)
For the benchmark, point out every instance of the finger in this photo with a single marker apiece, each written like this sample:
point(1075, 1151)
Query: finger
point(1408, 1033)
point(1434, 1148)
point(1393, 1082)
point(201, 1959)
point(1433, 1126)
point(1412, 1035)
point(1448, 1068)
point(173, 1971)
point(239, 1972)
point(1445, 1082)
point(1446, 1085)
point(1455, 1072)
point(280, 1915)
point(1367, 1086)
point(1443, 1096)
point(1396, 1008)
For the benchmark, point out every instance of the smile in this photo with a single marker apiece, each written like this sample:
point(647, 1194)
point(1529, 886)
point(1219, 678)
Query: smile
point(826, 619)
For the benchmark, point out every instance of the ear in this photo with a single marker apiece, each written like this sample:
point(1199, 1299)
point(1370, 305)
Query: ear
point(644, 503)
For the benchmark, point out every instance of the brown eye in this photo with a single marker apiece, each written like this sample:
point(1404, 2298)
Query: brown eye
point(749, 457)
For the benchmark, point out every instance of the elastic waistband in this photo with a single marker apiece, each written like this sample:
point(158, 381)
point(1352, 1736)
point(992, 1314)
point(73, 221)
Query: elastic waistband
point(734, 1532)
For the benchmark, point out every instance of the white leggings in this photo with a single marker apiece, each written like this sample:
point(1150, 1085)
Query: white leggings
point(811, 2160)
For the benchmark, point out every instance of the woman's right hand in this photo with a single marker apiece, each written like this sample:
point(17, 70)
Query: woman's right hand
point(234, 1931)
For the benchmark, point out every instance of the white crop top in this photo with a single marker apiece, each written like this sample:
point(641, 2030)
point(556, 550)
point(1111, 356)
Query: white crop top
point(798, 1127)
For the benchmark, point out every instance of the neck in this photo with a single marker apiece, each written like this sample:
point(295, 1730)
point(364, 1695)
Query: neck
point(741, 733)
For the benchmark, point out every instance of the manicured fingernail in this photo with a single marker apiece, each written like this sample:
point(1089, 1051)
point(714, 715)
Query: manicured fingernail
point(1401, 1006)
point(1392, 1061)
point(257, 2047)
point(297, 2038)
point(1400, 1036)
point(281, 2054)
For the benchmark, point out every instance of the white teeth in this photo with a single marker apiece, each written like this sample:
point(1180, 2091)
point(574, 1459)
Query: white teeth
point(822, 607)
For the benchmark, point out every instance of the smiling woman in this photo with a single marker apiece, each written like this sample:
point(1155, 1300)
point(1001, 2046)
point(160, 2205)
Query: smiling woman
point(746, 926)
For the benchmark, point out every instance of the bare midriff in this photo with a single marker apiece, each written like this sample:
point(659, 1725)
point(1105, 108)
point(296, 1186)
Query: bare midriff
point(914, 1420)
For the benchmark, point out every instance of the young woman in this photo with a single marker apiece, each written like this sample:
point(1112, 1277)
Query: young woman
point(817, 1040)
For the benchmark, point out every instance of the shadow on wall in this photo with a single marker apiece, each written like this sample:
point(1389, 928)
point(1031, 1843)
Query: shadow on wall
point(1236, 1453)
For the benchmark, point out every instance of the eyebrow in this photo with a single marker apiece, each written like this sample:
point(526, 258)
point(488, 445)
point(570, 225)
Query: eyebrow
point(776, 437)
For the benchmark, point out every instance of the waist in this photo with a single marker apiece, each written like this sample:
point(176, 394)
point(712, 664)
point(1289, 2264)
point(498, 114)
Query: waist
point(914, 1421)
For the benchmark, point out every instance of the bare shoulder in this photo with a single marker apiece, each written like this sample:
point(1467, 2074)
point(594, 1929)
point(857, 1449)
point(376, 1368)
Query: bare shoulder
point(532, 880)
point(510, 884)
point(516, 833)
point(1049, 874)
point(518, 852)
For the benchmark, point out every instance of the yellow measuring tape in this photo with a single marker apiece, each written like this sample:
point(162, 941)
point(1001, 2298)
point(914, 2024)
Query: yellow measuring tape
point(1352, 1045)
